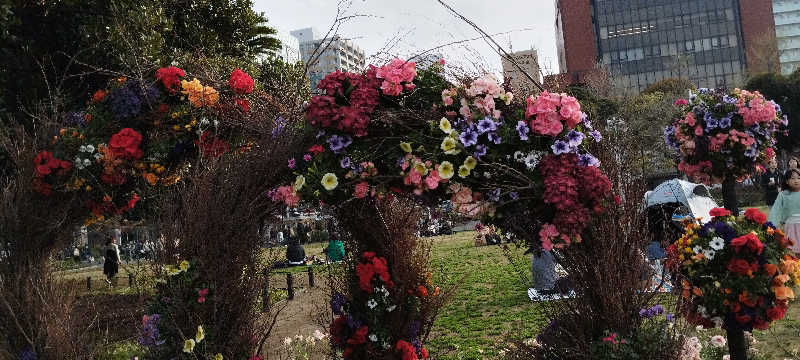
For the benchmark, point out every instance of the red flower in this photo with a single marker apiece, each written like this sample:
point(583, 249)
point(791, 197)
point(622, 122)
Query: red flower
point(132, 202)
point(407, 351)
point(316, 149)
point(240, 82)
point(45, 163)
point(211, 146)
point(202, 295)
point(750, 240)
point(743, 318)
point(41, 186)
point(422, 291)
point(337, 330)
point(99, 96)
point(365, 273)
point(719, 212)
point(162, 108)
point(756, 216)
point(742, 267)
point(424, 352)
point(776, 312)
point(367, 255)
point(760, 324)
point(244, 104)
point(359, 337)
point(381, 269)
point(170, 78)
point(126, 144)
point(681, 102)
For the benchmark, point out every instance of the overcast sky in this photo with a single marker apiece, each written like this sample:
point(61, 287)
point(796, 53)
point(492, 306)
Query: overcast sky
point(425, 24)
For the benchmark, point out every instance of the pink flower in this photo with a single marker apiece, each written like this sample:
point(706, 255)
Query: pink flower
point(690, 119)
point(432, 180)
point(394, 73)
point(570, 111)
point(547, 124)
point(544, 103)
point(547, 245)
point(462, 196)
point(681, 102)
point(415, 177)
point(698, 130)
point(362, 189)
point(307, 157)
point(464, 110)
point(202, 295)
point(441, 61)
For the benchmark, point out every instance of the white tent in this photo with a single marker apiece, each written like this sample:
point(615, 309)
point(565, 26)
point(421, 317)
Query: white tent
point(694, 196)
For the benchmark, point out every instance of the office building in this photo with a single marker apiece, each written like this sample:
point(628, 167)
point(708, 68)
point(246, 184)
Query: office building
point(528, 60)
point(325, 56)
point(787, 31)
point(290, 47)
point(713, 43)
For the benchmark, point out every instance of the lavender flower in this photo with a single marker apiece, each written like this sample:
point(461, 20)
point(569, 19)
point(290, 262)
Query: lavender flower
point(480, 151)
point(468, 138)
point(339, 143)
point(588, 160)
point(352, 322)
point(496, 139)
point(513, 195)
point(596, 135)
point(575, 138)
point(711, 123)
point(337, 303)
point(278, 126)
point(307, 157)
point(585, 120)
point(150, 335)
point(75, 118)
point(751, 152)
point(486, 125)
point(725, 122)
point(669, 317)
point(703, 91)
point(523, 130)
point(494, 195)
point(560, 147)
point(728, 99)
point(345, 163)
point(125, 103)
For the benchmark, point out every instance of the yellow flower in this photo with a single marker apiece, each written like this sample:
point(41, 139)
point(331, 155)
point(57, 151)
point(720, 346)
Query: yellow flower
point(176, 127)
point(184, 265)
point(329, 181)
point(188, 346)
point(174, 115)
point(445, 170)
point(299, 181)
point(406, 147)
point(172, 270)
point(218, 357)
point(445, 126)
point(470, 162)
point(449, 146)
point(463, 171)
point(421, 168)
point(201, 334)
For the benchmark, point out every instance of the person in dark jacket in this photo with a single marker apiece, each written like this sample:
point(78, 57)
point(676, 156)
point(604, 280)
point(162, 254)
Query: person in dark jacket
point(111, 264)
point(770, 181)
point(295, 254)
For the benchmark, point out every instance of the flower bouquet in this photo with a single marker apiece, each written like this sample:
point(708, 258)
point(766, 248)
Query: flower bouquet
point(735, 272)
point(724, 135)
point(135, 135)
point(526, 167)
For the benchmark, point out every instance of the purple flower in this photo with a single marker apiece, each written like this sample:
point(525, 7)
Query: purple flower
point(150, 335)
point(27, 353)
point(703, 91)
point(658, 309)
point(352, 322)
point(480, 151)
point(513, 195)
point(711, 123)
point(669, 133)
point(560, 147)
point(575, 138)
point(278, 126)
point(320, 134)
point(522, 130)
point(125, 103)
point(585, 120)
point(337, 303)
point(339, 143)
point(588, 160)
point(496, 139)
point(468, 138)
point(307, 157)
point(494, 195)
point(596, 135)
point(669, 317)
point(75, 118)
point(725, 122)
point(293, 163)
point(345, 163)
point(729, 99)
point(751, 152)
point(486, 125)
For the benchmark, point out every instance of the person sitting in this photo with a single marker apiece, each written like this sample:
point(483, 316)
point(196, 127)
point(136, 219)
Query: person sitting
point(295, 254)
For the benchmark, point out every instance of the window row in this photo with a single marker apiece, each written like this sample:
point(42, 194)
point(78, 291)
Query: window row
point(670, 49)
point(658, 6)
point(666, 23)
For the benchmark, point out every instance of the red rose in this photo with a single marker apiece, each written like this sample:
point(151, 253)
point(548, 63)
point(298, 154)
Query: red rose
point(739, 266)
point(776, 312)
point(132, 202)
point(169, 77)
point(756, 216)
point(750, 240)
point(240, 82)
point(45, 163)
point(359, 337)
point(126, 143)
point(244, 104)
point(719, 212)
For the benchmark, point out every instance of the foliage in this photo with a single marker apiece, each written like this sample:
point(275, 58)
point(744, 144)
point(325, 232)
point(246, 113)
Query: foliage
point(784, 90)
point(657, 332)
point(736, 272)
point(671, 86)
point(723, 136)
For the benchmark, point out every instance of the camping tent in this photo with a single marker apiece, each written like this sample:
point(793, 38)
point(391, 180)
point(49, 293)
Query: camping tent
point(695, 197)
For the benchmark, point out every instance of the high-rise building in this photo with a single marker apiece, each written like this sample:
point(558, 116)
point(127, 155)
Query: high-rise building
point(290, 47)
point(528, 60)
point(325, 56)
point(710, 42)
point(787, 31)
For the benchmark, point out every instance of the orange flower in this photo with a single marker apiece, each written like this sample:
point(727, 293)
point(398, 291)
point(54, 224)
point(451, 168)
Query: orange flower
point(150, 178)
point(436, 291)
point(770, 269)
point(697, 292)
point(780, 279)
point(727, 291)
point(783, 292)
point(99, 95)
point(107, 198)
point(422, 291)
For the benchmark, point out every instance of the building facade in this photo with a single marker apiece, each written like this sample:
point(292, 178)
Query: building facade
point(709, 42)
point(528, 60)
point(290, 47)
point(787, 31)
point(325, 56)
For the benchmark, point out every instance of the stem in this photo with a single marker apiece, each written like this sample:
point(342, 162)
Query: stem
point(729, 195)
point(736, 344)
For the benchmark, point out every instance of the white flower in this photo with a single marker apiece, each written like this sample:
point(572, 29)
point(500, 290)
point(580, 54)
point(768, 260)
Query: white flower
point(330, 181)
point(697, 249)
point(298, 337)
point(98, 156)
point(391, 308)
point(487, 175)
point(717, 341)
point(204, 121)
point(87, 162)
point(78, 163)
point(287, 341)
point(718, 322)
point(299, 181)
point(372, 303)
point(519, 156)
point(319, 335)
point(82, 148)
point(216, 123)
point(717, 243)
point(532, 160)
point(709, 254)
point(444, 125)
point(90, 148)
point(702, 310)
point(373, 337)
point(385, 345)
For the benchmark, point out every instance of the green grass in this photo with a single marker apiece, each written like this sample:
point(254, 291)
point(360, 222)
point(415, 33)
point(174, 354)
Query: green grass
point(489, 306)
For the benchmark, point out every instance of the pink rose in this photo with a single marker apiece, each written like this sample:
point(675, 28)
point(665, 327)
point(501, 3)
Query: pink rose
point(414, 177)
point(432, 181)
point(361, 190)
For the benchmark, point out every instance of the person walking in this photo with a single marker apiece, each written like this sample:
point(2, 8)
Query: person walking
point(786, 211)
point(770, 181)
point(111, 264)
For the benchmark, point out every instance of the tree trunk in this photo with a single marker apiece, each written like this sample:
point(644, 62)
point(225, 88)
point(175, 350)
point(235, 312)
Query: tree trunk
point(737, 347)
point(729, 196)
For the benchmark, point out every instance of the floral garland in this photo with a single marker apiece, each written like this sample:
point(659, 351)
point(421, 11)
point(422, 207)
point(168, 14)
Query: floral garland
point(483, 152)
point(361, 328)
point(134, 136)
point(724, 134)
point(736, 272)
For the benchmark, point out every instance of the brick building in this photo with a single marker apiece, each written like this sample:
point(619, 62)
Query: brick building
point(713, 43)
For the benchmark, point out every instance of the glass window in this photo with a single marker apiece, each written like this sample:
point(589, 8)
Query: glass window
point(664, 49)
point(688, 46)
point(673, 49)
point(707, 44)
point(719, 69)
point(603, 32)
point(732, 40)
point(698, 45)
point(729, 14)
point(715, 42)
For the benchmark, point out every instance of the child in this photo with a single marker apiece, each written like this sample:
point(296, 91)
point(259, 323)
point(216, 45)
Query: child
point(786, 210)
